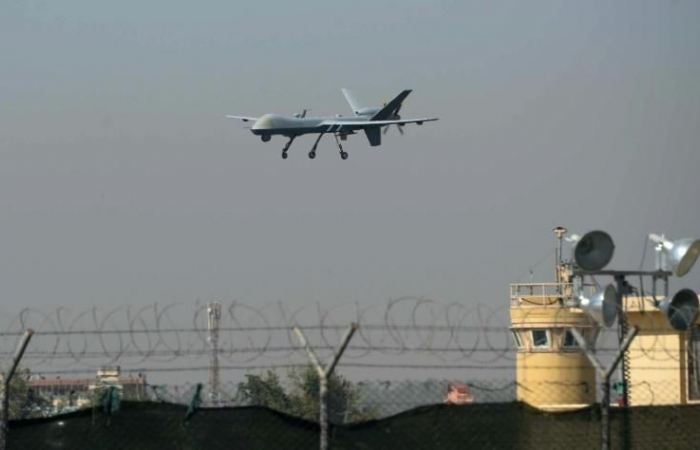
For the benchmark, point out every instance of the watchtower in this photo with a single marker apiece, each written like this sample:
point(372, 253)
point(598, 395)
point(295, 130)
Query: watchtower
point(551, 371)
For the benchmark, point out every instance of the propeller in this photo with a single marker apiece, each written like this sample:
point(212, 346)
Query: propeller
point(394, 116)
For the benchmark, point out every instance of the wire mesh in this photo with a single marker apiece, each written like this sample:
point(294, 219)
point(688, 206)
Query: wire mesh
point(416, 374)
point(398, 415)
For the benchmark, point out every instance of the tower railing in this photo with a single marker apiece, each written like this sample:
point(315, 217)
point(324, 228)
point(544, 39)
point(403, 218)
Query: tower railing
point(545, 294)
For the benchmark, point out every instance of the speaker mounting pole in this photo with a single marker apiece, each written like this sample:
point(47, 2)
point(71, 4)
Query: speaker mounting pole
point(559, 260)
point(605, 374)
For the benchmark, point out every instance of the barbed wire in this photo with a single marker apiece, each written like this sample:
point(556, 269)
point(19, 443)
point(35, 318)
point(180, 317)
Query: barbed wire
point(450, 333)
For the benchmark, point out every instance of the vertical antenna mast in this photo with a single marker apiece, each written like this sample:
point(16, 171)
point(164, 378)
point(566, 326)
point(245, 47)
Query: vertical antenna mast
point(559, 232)
point(214, 314)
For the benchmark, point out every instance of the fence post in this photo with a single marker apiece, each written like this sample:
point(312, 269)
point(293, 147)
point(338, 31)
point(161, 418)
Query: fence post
point(605, 374)
point(323, 375)
point(5, 387)
point(4, 407)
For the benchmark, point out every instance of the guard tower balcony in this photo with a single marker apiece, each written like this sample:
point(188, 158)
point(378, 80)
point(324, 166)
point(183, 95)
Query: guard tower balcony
point(546, 295)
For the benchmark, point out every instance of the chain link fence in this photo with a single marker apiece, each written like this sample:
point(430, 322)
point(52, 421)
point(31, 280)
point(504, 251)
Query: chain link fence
point(416, 374)
point(402, 415)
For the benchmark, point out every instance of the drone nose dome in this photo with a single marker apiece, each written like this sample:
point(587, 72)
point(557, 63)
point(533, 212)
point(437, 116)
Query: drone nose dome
point(264, 122)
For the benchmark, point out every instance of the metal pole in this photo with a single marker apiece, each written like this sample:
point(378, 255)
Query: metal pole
point(623, 359)
point(323, 376)
point(605, 415)
point(322, 389)
point(214, 314)
point(622, 322)
point(323, 412)
point(558, 258)
point(341, 349)
point(605, 374)
point(5, 387)
point(3, 411)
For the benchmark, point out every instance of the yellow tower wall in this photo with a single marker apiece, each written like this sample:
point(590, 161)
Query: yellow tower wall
point(657, 358)
point(555, 381)
point(556, 376)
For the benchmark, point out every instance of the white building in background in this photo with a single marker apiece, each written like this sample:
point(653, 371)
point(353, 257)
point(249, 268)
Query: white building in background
point(75, 393)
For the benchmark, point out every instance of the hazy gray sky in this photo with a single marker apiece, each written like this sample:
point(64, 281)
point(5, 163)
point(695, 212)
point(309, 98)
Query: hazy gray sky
point(121, 182)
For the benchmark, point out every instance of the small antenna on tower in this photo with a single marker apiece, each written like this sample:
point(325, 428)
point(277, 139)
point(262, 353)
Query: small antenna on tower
point(559, 232)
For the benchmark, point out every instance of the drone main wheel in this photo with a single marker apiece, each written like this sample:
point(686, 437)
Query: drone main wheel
point(312, 155)
point(284, 155)
point(344, 155)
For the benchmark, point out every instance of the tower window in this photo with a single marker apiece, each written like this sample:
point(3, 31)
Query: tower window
point(516, 338)
point(569, 341)
point(540, 338)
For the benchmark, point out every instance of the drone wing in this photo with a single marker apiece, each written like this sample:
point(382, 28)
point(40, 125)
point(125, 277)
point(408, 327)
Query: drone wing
point(372, 123)
point(244, 118)
point(371, 127)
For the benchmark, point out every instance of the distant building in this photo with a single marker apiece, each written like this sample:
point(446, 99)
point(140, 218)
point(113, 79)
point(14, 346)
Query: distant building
point(61, 393)
point(131, 387)
point(75, 393)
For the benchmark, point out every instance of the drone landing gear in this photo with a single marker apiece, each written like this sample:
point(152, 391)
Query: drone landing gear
point(343, 154)
point(286, 147)
point(312, 153)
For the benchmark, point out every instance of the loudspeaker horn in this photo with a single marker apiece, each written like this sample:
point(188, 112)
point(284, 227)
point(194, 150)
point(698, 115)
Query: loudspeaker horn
point(594, 250)
point(681, 254)
point(681, 310)
point(601, 306)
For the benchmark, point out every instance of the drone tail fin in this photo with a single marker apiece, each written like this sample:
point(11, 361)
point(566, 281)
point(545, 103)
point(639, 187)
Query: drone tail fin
point(352, 100)
point(390, 107)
